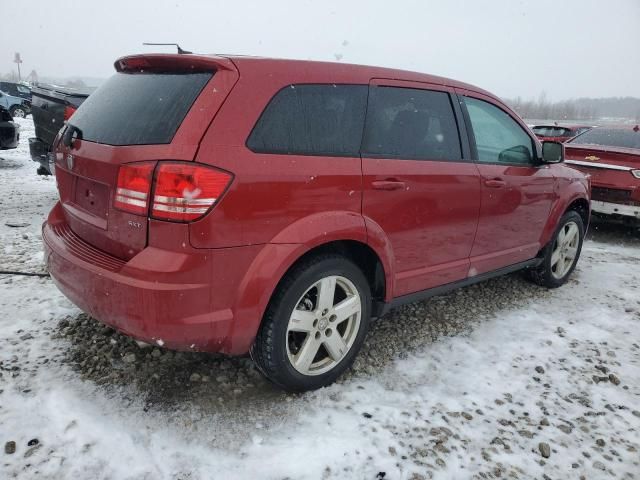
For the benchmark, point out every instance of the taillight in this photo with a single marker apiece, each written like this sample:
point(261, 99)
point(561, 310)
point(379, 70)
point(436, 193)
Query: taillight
point(134, 186)
point(185, 192)
point(182, 192)
point(68, 111)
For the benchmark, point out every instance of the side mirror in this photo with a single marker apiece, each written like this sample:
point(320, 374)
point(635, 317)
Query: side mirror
point(552, 152)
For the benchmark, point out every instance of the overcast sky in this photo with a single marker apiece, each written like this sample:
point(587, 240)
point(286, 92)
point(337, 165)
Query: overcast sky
point(567, 48)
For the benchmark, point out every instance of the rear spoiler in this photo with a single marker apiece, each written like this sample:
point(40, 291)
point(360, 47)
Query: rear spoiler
point(163, 62)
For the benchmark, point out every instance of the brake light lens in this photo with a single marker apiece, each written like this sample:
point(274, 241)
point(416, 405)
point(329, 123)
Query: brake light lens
point(134, 186)
point(185, 192)
point(68, 111)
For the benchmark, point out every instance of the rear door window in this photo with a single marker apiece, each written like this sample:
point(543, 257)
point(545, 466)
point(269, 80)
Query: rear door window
point(139, 108)
point(498, 137)
point(312, 120)
point(409, 123)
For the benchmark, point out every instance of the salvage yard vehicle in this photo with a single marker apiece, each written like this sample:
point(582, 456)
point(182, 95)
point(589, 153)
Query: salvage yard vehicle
point(52, 106)
point(611, 156)
point(9, 130)
point(16, 89)
point(273, 207)
point(558, 133)
point(17, 106)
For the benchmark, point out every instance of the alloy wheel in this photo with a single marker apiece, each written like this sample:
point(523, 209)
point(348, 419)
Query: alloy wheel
point(565, 250)
point(324, 325)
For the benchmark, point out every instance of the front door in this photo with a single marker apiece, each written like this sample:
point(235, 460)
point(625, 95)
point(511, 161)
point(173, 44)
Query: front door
point(517, 190)
point(417, 187)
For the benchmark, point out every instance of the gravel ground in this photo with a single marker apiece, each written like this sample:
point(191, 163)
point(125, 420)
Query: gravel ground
point(499, 380)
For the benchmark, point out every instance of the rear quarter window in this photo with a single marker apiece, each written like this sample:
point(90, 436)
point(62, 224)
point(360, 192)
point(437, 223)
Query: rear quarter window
point(139, 108)
point(312, 120)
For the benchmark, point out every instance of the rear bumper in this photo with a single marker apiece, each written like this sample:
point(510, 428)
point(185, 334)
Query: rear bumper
point(608, 208)
point(161, 297)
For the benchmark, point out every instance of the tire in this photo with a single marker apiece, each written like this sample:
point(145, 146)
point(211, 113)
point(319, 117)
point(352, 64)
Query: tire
point(298, 320)
point(17, 111)
point(554, 272)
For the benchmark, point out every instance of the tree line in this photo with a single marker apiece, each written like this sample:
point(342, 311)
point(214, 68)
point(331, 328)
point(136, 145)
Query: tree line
point(578, 108)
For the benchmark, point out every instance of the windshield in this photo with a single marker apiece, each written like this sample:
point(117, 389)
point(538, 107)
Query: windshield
point(138, 108)
point(613, 137)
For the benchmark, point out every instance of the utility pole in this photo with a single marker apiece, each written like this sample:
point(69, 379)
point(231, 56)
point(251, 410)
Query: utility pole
point(17, 60)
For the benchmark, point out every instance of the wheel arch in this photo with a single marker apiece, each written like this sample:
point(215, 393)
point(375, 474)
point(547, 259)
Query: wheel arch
point(276, 260)
point(575, 198)
point(583, 208)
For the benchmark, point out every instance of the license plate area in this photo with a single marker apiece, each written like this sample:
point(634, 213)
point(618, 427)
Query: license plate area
point(92, 197)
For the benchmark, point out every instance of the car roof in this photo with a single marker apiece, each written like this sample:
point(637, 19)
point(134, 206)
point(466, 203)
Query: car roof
point(358, 73)
point(348, 72)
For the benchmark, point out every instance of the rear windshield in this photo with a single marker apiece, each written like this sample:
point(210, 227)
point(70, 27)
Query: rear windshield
point(613, 137)
point(138, 108)
point(552, 131)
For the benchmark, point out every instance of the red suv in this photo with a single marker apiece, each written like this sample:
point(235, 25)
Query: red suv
point(238, 204)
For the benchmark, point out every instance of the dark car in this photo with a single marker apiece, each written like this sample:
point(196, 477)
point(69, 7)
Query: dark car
point(52, 107)
point(558, 133)
point(9, 130)
point(16, 89)
point(612, 157)
point(272, 207)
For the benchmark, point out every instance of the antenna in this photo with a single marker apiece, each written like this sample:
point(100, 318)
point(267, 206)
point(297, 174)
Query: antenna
point(180, 50)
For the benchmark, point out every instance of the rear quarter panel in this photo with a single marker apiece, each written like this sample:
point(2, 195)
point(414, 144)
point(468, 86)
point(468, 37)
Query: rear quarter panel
point(271, 192)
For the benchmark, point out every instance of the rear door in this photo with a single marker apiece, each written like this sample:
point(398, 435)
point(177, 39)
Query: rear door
point(155, 108)
point(419, 185)
point(517, 191)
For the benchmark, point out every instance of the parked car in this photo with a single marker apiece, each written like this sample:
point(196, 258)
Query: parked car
point(612, 157)
point(9, 130)
point(52, 107)
point(557, 133)
point(16, 89)
point(272, 207)
point(17, 106)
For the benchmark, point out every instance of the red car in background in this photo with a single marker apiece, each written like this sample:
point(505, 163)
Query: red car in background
point(612, 157)
point(558, 133)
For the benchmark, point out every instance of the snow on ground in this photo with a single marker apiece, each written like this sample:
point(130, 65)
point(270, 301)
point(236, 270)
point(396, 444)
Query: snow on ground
point(475, 384)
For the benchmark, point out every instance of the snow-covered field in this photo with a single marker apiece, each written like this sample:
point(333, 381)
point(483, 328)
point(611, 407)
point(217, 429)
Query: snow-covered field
point(499, 380)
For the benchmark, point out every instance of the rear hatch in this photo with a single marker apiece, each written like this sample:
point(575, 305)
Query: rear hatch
point(156, 107)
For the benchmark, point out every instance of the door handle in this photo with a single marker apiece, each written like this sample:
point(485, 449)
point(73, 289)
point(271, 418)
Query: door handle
point(388, 185)
point(495, 183)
